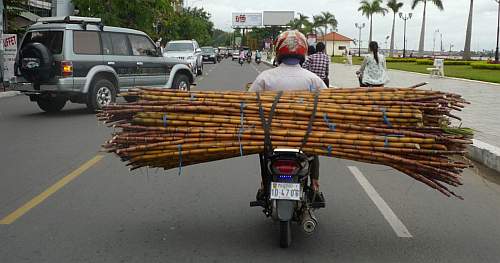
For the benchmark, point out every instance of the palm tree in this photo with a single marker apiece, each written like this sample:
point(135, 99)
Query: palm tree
point(302, 20)
point(395, 6)
point(317, 22)
point(439, 5)
point(468, 35)
point(368, 9)
point(329, 20)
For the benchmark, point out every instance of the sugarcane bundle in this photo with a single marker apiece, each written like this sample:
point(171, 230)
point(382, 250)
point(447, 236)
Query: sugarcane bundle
point(407, 129)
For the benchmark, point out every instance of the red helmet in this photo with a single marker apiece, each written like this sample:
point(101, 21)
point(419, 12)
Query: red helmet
point(291, 43)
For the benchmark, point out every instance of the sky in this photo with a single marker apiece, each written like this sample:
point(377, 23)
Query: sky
point(451, 22)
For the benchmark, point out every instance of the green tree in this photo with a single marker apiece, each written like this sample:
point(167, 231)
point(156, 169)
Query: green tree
point(439, 5)
point(317, 23)
point(395, 6)
point(11, 9)
point(468, 34)
point(329, 20)
point(369, 8)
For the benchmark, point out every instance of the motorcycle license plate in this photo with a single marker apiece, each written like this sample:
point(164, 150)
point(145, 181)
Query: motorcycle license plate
point(285, 191)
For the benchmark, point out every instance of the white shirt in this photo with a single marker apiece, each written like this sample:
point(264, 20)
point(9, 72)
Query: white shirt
point(373, 73)
point(287, 78)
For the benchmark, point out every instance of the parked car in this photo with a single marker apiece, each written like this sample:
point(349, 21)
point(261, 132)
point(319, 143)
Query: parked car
point(81, 60)
point(209, 54)
point(186, 50)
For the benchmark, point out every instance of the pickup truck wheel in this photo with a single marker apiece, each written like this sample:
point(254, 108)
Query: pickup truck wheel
point(101, 93)
point(51, 105)
point(181, 82)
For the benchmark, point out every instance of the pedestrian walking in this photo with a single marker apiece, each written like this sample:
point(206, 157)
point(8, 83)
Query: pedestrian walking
point(373, 71)
point(319, 63)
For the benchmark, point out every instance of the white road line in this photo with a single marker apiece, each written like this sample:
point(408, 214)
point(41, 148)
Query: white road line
point(392, 219)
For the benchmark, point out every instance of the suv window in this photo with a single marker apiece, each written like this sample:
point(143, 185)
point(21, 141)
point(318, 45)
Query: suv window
point(86, 42)
point(115, 44)
point(53, 40)
point(180, 47)
point(141, 45)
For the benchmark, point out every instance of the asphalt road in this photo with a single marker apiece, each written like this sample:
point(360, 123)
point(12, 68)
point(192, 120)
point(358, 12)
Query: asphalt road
point(63, 201)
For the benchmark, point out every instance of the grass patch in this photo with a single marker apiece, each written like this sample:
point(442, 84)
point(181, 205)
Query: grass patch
point(456, 71)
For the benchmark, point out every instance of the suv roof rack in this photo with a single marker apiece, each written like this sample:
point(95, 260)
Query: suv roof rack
point(84, 21)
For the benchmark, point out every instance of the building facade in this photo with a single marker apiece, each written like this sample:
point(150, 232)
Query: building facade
point(336, 44)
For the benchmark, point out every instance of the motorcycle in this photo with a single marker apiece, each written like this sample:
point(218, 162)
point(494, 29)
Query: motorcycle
point(257, 60)
point(249, 59)
point(287, 196)
point(240, 60)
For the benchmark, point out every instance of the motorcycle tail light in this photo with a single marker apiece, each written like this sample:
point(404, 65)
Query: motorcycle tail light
point(285, 167)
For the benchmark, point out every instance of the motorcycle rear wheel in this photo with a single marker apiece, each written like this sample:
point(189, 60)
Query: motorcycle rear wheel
point(285, 234)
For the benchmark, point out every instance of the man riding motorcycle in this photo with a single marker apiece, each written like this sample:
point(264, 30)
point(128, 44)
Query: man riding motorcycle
point(291, 49)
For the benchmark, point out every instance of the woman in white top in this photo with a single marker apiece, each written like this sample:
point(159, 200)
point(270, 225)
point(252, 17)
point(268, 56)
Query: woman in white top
point(373, 71)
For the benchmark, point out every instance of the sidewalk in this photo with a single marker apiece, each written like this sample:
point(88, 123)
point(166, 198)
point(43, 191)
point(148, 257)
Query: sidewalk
point(483, 114)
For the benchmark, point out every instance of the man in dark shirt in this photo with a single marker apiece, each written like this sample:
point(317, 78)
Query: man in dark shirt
point(319, 63)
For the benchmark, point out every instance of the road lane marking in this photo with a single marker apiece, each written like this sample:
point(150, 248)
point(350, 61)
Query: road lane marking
point(383, 207)
point(12, 217)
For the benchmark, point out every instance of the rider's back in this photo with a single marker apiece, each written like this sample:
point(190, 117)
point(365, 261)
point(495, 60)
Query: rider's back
point(287, 78)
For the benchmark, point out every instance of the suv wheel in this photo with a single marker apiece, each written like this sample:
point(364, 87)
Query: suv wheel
point(181, 82)
point(51, 105)
point(101, 93)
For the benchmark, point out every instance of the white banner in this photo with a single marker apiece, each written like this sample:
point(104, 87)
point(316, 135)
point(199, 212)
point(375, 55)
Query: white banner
point(247, 19)
point(10, 50)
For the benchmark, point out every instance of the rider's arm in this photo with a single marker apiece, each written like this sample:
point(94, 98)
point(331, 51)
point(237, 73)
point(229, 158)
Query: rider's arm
point(258, 85)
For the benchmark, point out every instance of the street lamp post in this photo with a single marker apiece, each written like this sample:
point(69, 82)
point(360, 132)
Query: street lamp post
point(359, 26)
point(405, 17)
point(498, 32)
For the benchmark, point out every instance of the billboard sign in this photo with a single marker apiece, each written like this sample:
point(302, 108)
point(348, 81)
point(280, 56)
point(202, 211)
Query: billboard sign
point(247, 20)
point(10, 50)
point(277, 18)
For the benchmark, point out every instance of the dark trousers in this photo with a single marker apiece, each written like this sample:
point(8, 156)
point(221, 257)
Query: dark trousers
point(326, 81)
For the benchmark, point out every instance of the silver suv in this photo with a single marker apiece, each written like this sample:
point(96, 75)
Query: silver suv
point(188, 51)
point(81, 60)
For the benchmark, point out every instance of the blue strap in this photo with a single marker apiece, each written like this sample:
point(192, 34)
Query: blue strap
point(192, 97)
point(386, 119)
point(180, 158)
point(329, 149)
point(330, 125)
point(165, 120)
point(242, 121)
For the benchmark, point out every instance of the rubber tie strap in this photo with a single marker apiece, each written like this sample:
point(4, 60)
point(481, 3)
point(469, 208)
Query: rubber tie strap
point(165, 120)
point(264, 125)
point(329, 149)
point(311, 120)
point(301, 100)
point(386, 138)
point(386, 119)
point(192, 98)
point(180, 158)
point(330, 125)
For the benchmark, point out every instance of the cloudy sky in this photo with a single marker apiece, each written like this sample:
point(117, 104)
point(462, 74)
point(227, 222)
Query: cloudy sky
point(451, 22)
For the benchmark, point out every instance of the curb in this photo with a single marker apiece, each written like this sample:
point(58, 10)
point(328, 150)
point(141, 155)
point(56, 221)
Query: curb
point(485, 154)
point(7, 94)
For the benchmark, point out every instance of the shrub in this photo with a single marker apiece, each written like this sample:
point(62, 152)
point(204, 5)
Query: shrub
point(446, 62)
point(402, 60)
point(479, 65)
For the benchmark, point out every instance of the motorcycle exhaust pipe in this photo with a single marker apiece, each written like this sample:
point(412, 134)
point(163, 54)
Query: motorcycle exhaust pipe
point(309, 221)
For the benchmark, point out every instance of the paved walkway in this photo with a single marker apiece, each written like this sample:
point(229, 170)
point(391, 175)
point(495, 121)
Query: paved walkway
point(483, 114)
